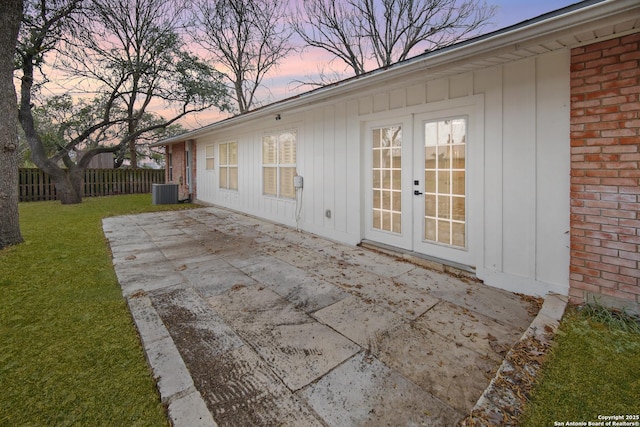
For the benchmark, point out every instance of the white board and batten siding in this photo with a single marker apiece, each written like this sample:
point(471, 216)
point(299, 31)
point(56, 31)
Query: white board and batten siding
point(521, 158)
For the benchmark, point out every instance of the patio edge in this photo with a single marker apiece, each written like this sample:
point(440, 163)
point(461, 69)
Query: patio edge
point(499, 404)
point(184, 403)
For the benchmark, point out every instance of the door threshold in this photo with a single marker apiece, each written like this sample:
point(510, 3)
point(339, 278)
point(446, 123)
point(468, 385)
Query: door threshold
point(423, 260)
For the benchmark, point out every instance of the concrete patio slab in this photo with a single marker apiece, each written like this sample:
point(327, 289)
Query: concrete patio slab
point(188, 315)
point(263, 325)
point(295, 284)
point(471, 329)
point(404, 300)
point(298, 349)
point(359, 321)
point(455, 374)
point(212, 277)
point(242, 390)
point(357, 394)
point(296, 256)
point(300, 354)
point(503, 306)
point(367, 260)
point(148, 277)
point(176, 248)
point(256, 306)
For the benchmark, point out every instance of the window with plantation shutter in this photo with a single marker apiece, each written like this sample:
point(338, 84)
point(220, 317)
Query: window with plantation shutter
point(209, 154)
point(279, 164)
point(228, 155)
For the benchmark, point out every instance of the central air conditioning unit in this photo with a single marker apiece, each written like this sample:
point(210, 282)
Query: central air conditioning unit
point(164, 194)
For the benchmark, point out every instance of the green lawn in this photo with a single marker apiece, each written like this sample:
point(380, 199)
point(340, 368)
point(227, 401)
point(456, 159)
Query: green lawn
point(593, 369)
point(69, 352)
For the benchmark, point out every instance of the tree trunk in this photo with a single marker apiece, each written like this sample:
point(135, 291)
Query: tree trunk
point(133, 153)
point(10, 17)
point(68, 181)
point(68, 185)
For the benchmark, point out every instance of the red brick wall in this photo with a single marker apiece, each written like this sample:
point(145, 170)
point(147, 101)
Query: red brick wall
point(178, 153)
point(167, 176)
point(605, 178)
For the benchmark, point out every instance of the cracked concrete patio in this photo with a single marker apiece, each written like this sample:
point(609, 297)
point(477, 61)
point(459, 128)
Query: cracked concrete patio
point(245, 322)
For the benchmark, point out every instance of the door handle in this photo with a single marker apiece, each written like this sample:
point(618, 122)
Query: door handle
point(416, 193)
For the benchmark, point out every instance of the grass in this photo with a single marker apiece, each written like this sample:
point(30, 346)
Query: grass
point(593, 369)
point(70, 354)
point(614, 318)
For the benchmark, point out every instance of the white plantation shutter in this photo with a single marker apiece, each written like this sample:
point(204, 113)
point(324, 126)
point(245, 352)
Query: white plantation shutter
point(229, 165)
point(209, 154)
point(270, 181)
point(279, 164)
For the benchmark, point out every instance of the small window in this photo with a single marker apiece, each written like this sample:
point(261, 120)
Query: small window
point(228, 155)
point(279, 164)
point(170, 167)
point(209, 154)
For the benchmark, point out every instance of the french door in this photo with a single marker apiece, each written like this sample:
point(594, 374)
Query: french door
point(388, 204)
point(443, 203)
point(421, 191)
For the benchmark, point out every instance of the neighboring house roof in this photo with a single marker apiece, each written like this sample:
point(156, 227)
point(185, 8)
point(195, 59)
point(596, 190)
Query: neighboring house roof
point(579, 24)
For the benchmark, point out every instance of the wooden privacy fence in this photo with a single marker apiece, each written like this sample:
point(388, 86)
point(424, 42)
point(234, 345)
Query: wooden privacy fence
point(34, 185)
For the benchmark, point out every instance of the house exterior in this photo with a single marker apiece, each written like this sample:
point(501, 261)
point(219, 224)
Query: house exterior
point(512, 157)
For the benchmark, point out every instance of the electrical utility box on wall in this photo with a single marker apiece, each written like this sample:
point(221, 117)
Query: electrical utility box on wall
point(164, 194)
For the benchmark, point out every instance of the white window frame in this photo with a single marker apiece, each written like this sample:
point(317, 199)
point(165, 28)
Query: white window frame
point(279, 165)
point(209, 157)
point(225, 166)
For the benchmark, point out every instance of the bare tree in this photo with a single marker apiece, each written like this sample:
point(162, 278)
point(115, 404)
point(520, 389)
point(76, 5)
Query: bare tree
point(247, 37)
point(44, 24)
point(126, 74)
point(134, 48)
point(377, 33)
point(10, 17)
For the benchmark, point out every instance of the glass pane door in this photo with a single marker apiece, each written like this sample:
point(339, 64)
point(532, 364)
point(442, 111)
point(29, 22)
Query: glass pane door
point(387, 179)
point(445, 204)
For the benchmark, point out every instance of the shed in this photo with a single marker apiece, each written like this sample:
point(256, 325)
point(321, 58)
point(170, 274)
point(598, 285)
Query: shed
point(512, 157)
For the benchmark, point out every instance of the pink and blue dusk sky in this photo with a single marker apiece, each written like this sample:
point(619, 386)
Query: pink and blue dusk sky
point(299, 67)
